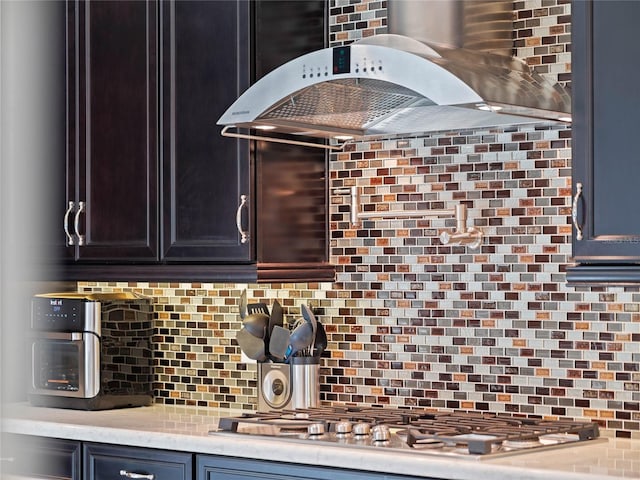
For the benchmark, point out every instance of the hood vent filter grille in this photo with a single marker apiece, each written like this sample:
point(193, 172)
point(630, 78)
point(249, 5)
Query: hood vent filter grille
point(347, 105)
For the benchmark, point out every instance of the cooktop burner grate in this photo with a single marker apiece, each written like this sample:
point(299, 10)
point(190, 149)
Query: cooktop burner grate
point(457, 432)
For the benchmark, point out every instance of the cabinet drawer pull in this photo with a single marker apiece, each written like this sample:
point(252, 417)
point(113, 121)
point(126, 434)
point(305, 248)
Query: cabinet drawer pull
point(76, 223)
point(574, 211)
point(124, 473)
point(244, 235)
point(65, 223)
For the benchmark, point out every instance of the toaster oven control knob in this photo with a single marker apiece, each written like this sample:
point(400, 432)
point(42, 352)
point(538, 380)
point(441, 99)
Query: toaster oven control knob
point(343, 427)
point(381, 433)
point(362, 429)
point(315, 429)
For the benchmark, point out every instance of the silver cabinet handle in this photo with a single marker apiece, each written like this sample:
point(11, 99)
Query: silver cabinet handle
point(66, 223)
point(244, 235)
point(124, 473)
point(574, 211)
point(76, 223)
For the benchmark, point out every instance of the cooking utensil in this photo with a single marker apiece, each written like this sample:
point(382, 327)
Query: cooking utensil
point(242, 304)
point(259, 307)
point(256, 324)
point(300, 339)
point(276, 317)
point(308, 315)
point(251, 346)
point(320, 341)
point(279, 342)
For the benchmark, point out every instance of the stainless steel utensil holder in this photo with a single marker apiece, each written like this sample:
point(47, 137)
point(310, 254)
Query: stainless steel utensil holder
point(305, 382)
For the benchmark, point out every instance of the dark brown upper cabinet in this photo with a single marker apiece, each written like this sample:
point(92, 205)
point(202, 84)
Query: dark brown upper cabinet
point(606, 110)
point(112, 170)
point(154, 192)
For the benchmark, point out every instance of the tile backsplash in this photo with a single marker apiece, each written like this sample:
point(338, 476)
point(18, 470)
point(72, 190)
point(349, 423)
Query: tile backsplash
point(413, 322)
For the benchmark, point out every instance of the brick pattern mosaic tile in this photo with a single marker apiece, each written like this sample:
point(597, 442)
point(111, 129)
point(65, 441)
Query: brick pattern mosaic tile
point(126, 349)
point(413, 322)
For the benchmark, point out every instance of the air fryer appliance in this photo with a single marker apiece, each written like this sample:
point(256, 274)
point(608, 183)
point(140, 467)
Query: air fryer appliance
point(90, 351)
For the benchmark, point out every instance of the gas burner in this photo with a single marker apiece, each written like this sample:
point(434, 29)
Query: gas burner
point(463, 434)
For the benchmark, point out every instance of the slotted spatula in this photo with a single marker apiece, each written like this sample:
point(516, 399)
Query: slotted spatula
point(259, 307)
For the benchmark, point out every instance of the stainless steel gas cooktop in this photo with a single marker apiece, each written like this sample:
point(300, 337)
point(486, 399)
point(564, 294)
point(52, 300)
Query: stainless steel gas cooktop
point(460, 434)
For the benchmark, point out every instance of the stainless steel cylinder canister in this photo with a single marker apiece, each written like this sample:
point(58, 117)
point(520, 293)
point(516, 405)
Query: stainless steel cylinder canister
point(305, 382)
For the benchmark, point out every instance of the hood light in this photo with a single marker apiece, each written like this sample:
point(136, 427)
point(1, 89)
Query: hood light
point(565, 119)
point(265, 127)
point(343, 138)
point(489, 108)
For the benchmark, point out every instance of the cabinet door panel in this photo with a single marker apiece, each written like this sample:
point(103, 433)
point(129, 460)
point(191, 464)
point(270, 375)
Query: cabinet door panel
point(205, 54)
point(291, 181)
point(116, 136)
point(224, 468)
point(106, 462)
point(606, 110)
point(39, 457)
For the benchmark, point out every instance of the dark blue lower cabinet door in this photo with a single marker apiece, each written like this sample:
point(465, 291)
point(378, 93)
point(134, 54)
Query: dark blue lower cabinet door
point(25, 456)
point(108, 462)
point(228, 468)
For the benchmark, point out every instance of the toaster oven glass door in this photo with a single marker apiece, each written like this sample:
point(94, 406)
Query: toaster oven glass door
point(66, 364)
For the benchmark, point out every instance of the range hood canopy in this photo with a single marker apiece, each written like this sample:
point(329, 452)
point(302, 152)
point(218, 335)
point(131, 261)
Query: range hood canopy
point(388, 85)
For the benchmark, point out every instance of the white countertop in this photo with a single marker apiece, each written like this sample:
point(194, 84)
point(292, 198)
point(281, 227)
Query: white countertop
point(187, 429)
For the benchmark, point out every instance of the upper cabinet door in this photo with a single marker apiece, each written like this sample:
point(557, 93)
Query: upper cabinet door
point(205, 67)
point(291, 181)
point(606, 163)
point(113, 130)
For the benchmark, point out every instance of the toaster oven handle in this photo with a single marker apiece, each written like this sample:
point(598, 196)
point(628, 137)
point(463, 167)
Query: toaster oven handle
point(73, 336)
point(126, 474)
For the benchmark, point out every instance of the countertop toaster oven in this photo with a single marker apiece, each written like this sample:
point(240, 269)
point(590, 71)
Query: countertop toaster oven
point(90, 351)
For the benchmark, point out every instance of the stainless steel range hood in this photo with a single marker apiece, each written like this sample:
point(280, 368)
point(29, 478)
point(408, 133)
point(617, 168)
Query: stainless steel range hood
point(393, 84)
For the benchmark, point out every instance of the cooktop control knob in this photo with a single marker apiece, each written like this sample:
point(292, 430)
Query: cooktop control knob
point(381, 433)
point(361, 429)
point(315, 429)
point(343, 427)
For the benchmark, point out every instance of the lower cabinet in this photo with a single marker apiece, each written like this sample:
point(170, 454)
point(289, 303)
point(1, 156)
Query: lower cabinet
point(227, 468)
point(28, 457)
point(102, 462)
point(25, 457)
